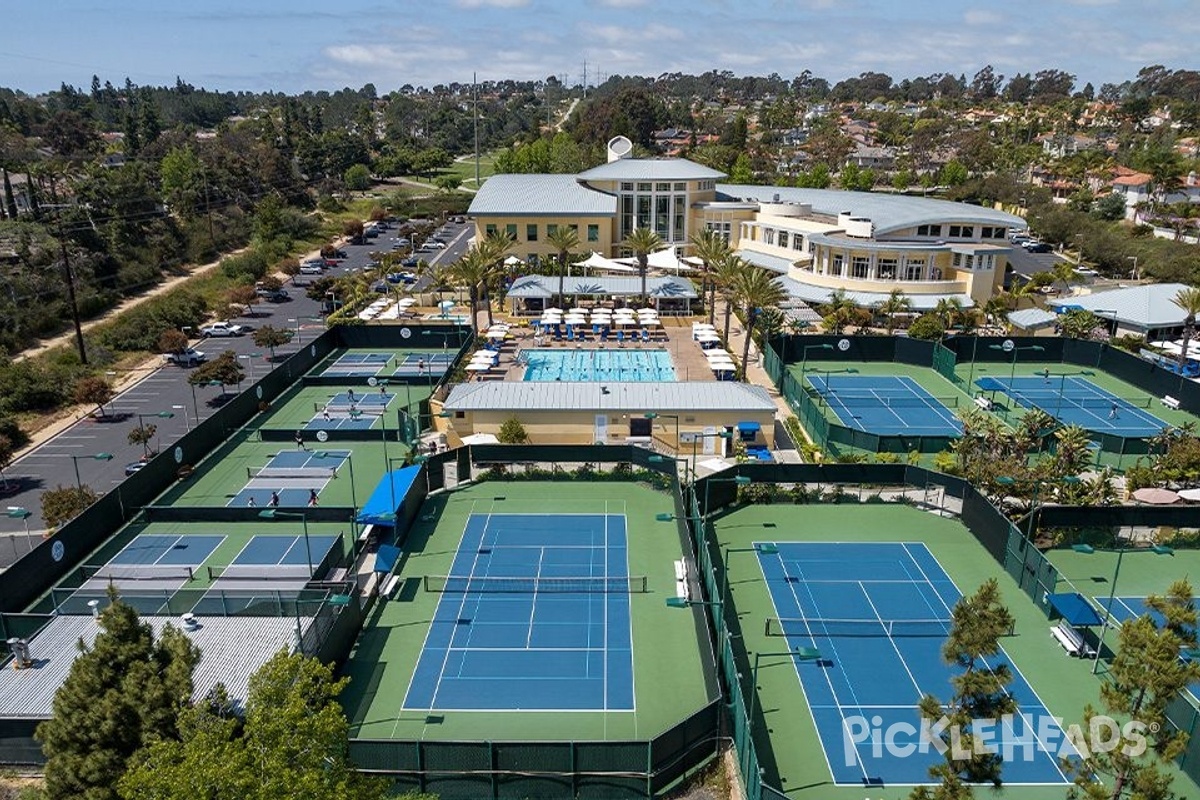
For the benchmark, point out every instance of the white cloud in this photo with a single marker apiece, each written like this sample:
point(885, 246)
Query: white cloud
point(979, 16)
point(492, 3)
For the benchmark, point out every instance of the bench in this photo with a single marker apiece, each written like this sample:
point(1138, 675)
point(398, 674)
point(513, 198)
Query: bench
point(1070, 639)
point(680, 570)
point(983, 403)
point(1170, 402)
point(390, 586)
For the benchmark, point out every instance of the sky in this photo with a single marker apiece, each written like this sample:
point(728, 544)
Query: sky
point(298, 45)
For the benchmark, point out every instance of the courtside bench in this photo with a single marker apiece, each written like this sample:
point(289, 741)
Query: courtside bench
point(983, 403)
point(1170, 402)
point(1070, 639)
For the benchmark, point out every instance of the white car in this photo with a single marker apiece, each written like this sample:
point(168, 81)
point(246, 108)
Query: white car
point(188, 358)
point(1086, 272)
point(312, 268)
point(222, 329)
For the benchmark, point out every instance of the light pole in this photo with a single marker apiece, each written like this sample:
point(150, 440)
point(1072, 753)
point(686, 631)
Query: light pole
point(456, 333)
point(658, 458)
point(23, 514)
point(349, 456)
point(93, 457)
point(1006, 480)
point(796, 653)
point(186, 420)
point(195, 404)
point(804, 358)
point(142, 424)
point(1087, 549)
point(274, 513)
point(249, 359)
point(653, 415)
point(1011, 348)
point(1134, 274)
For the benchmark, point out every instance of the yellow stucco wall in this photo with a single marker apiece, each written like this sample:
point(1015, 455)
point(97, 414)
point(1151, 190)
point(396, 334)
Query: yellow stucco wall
point(523, 247)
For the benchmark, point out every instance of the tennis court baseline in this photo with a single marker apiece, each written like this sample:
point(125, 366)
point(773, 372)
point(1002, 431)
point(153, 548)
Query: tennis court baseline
point(535, 615)
point(358, 364)
point(416, 364)
point(887, 405)
point(879, 633)
point(273, 557)
point(1077, 401)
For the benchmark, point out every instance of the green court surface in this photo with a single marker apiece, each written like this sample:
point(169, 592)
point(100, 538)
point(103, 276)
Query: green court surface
point(795, 761)
point(218, 479)
point(399, 360)
point(668, 673)
point(929, 380)
point(299, 406)
point(1142, 572)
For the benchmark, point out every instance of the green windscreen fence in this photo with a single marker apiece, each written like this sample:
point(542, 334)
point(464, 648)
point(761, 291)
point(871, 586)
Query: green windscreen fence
point(1027, 565)
point(944, 362)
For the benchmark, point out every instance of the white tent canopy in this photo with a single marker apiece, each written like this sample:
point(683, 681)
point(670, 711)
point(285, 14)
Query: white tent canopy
point(666, 260)
point(597, 261)
point(512, 261)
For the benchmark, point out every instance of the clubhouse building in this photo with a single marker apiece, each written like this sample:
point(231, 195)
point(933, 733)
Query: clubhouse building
point(818, 240)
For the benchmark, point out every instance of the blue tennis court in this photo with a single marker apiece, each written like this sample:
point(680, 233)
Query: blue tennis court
point(880, 633)
point(266, 555)
point(535, 615)
point(167, 550)
point(358, 364)
point(887, 405)
point(1077, 401)
point(418, 364)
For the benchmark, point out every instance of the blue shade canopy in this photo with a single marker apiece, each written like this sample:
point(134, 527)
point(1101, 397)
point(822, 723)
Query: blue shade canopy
point(1075, 609)
point(379, 509)
point(748, 427)
point(386, 557)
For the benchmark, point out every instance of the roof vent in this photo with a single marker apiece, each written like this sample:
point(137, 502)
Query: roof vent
point(619, 147)
point(20, 651)
point(775, 198)
point(190, 623)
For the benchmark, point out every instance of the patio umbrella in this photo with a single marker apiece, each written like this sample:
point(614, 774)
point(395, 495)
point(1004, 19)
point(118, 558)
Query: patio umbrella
point(716, 351)
point(446, 304)
point(650, 323)
point(477, 366)
point(512, 261)
point(707, 337)
point(1155, 496)
point(1191, 495)
point(480, 439)
point(552, 310)
point(496, 334)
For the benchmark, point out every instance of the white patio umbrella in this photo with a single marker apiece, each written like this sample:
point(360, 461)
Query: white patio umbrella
point(651, 322)
point(512, 261)
point(496, 334)
point(552, 310)
point(446, 304)
point(480, 438)
point(707, 337)
point(1191, 495)
point(476, 366)
point(716, 352)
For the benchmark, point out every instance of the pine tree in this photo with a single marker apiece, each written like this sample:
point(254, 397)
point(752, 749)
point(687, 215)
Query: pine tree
point(1146, 675)
point(980, 692)
point(10, 200)
point(122, 692)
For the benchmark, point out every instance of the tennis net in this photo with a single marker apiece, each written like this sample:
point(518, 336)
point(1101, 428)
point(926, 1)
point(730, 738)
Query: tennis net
point(634, 584)
point(901, 401)
point(292, 472)
point(857, 627)
point(137, 572)
point(371, 410)
point(1046, 401)
point(261, 572)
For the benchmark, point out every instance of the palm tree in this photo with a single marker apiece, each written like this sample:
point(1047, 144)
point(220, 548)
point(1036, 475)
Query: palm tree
point(756, 290)
point(948, 310)
point(838, 311)
point(493, 249)
point(472, 271)
point(564, 239)
point(710, 248)
point(1189, 301)
point(1064, 271)
point(896, 303)
point(997, 308)
point(643, 242)
point(725, 278)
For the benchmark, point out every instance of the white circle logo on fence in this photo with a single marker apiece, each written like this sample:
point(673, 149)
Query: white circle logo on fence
point(312, 348)
point(843, 345)
point(322, 436)
point(405, 333)
point(372, 381)
point(1008, 345)
point(258, 392)
point(57, 551)
point(178, 455)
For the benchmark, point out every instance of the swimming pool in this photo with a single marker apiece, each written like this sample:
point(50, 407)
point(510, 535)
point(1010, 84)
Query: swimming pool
point(598, 365)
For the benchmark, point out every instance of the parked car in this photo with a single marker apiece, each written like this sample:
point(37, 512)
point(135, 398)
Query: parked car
point(187, 358)
point(411, 261)
point(134, 466)
point(379, 286)
point(223, 329)
point(312, 268)
point(1086, 272)
point(272, 295)
point(1036, 247)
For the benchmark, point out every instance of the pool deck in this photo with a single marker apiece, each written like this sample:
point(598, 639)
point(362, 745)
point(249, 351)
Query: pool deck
point(688, 359)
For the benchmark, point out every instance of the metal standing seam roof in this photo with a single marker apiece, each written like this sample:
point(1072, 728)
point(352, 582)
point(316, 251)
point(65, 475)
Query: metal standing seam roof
point(232, 649)
point(888, 212)
point(651, 169)
point(774, 263)
point(614, 396)
point(820, 294)
point(543, 286)
point(1031, 318)
point(1147, 306)
point(540, 195)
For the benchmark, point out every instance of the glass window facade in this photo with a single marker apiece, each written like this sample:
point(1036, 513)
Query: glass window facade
point(654, 206)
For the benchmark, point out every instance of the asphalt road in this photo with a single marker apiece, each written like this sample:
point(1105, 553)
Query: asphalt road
point(163, 390)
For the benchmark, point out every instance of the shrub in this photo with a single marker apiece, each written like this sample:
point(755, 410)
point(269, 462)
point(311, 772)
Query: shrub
point(248, 266)
point(928, 327)
point(513, 432)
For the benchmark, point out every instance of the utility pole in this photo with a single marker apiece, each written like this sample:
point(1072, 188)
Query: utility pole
point(70, 279)
point(585, 79)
